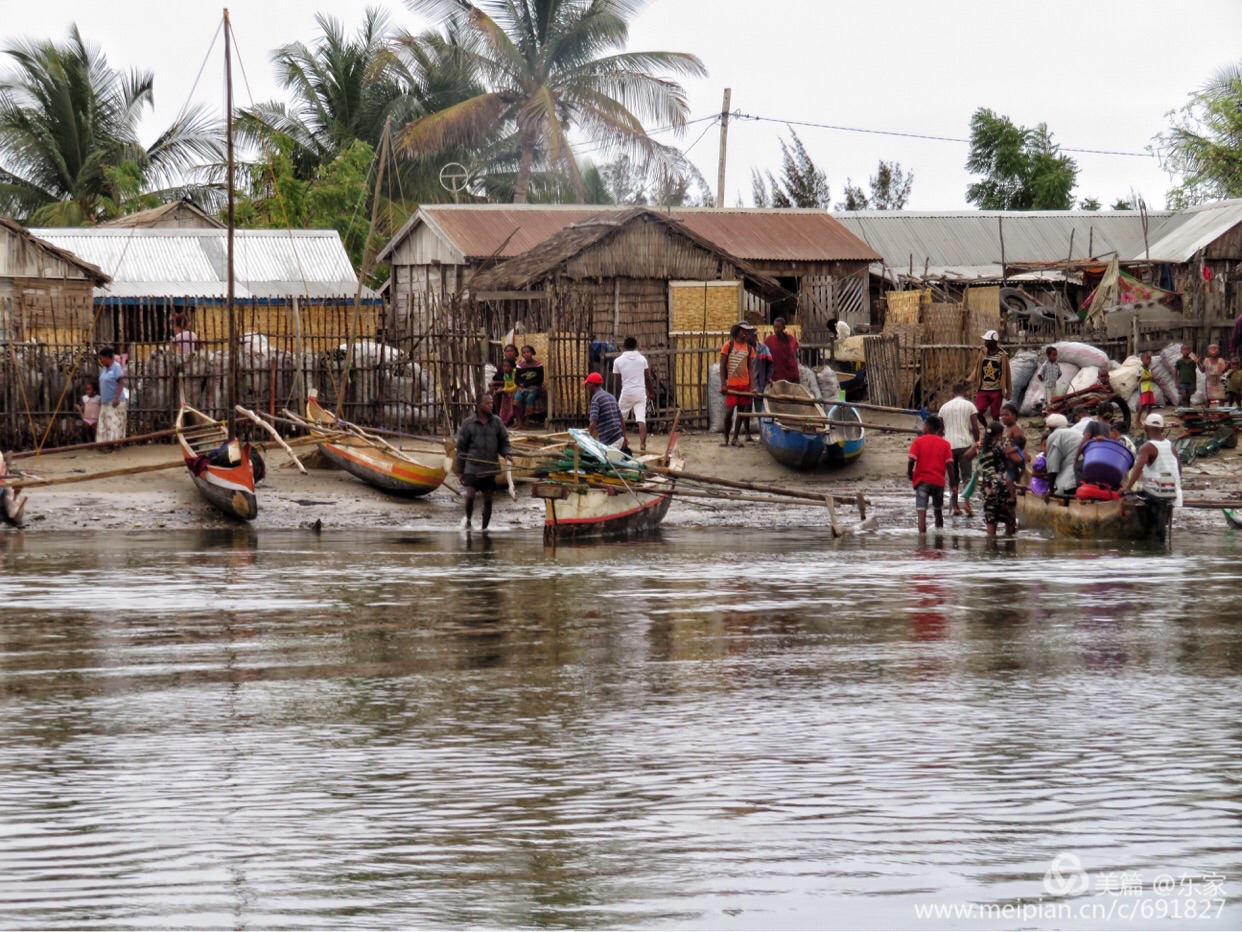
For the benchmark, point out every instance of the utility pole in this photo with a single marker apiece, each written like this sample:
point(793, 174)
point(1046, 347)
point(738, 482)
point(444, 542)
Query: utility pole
point(724, 142)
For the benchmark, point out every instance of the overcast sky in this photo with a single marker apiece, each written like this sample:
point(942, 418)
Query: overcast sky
point(1102, 75)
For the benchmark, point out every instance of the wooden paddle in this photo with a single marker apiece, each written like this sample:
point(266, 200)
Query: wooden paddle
point(246, 412)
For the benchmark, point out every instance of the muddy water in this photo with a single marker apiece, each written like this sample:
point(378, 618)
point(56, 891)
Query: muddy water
point(710, 730)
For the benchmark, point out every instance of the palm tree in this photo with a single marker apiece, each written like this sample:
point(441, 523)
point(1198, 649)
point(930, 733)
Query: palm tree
point(69, 148)
point(552, 66)
point(342, 89)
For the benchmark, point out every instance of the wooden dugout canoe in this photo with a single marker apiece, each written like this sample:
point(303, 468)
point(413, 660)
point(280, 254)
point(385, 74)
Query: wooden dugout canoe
point(846, 442)
point(398, 473)
point(603, 510)
point(1131, 518)
point(222, 467)
point(797, 444)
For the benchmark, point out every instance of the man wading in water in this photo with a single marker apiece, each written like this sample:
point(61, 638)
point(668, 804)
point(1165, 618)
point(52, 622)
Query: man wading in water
point(481, 441)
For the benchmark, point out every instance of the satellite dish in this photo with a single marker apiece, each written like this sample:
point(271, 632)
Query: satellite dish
point(454, 177)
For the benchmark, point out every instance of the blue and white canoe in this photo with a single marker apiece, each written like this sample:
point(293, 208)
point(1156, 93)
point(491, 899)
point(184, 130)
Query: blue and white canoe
point(845, 443)
point(795, 443)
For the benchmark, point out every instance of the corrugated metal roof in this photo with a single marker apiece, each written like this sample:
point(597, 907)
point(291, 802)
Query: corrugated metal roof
point(191, 262)
point(971, 239)
point(1199, 227)
point(756, 234)
point(90, 270)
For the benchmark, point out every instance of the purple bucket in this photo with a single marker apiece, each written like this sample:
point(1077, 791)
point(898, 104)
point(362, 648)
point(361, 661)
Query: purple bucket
point(1106, 462)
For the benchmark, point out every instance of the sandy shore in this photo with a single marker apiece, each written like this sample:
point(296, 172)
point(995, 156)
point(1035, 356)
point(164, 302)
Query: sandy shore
point(329, 498)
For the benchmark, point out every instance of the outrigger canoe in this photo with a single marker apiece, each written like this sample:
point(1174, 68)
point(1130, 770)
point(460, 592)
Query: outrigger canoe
point(795, 443)
point(845, 443)
point(1134, 517)
point(393, 471)
point(609, 495)
point(223, 468)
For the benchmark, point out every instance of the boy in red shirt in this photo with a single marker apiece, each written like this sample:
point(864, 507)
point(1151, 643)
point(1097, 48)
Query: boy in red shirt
point(930, 458)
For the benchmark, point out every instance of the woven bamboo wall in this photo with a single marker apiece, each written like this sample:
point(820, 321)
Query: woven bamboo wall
point(566, 361)
point(704, 306)
point(983, 305)
point(692, 368)
point(322, 324)
point(904, 307)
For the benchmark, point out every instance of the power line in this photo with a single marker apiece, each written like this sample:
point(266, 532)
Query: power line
point(737, 115)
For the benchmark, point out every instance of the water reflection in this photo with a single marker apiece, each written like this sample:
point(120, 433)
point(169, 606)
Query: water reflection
point(294, 729)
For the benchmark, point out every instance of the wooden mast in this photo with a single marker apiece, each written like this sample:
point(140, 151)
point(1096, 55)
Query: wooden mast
point(368, 261)
point(230, 293)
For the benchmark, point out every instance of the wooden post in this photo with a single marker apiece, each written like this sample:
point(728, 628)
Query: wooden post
point(724, 141)
point(1000, 228)
point(230, 288)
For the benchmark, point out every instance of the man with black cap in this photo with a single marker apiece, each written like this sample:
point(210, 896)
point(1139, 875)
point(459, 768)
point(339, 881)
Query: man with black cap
point(606, 423)
point(991, 377)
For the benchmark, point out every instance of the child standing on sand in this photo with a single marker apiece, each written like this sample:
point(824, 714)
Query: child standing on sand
point(90, 412)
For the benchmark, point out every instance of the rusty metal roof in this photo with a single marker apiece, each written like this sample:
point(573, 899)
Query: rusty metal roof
point(477, 231)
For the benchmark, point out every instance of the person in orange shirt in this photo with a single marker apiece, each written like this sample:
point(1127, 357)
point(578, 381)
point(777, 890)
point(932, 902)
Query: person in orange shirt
point(736, 364)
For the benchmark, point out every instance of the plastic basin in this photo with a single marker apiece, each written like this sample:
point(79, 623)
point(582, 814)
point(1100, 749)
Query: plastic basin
point(1106, 462)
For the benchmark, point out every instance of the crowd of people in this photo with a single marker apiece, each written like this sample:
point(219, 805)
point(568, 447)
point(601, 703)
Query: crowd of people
point(977, 432)
point(747, 367)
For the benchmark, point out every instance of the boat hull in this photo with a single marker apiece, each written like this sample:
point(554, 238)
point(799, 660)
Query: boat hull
point(228, 488)
point(376, 467)
point(598, 512)
point(227, 495)
point(846, 443)
point(797, 449)
point(792, 443)
point(1131, 518)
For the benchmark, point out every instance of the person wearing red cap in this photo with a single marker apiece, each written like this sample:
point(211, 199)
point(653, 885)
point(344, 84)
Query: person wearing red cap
point(606, 424)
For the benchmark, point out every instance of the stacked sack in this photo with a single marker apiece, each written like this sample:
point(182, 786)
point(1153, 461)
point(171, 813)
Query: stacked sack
point(1169, 357)
point(1023, 367)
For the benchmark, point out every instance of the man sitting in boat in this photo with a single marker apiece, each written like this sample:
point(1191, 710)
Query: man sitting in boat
point(1157, 465)
point(606, 424)
point(481, 441)
point(1062, 454)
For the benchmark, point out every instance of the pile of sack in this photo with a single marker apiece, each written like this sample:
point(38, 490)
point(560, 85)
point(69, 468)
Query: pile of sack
point(1081, 364)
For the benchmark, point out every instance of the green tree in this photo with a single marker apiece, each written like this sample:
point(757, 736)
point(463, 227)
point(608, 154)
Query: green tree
point(341, 89)
point(890, 186)
point(854, 197)
point(1091, 203)
point(549, 67)
point(1022, 169)
point(1203, 144)
point(339, 197)
point(1123, 203)
point(802, 183)
point(890, 189)
point(69, 147)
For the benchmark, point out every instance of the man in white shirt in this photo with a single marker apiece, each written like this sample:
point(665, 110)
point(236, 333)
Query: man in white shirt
point(1157, 460)
point(961, 429)
point(635, 375)
point(1061, 453)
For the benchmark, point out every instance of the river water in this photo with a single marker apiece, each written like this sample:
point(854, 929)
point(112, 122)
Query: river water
point(737, 729)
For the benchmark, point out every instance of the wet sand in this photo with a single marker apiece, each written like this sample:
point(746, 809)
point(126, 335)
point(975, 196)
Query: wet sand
point(289, 500)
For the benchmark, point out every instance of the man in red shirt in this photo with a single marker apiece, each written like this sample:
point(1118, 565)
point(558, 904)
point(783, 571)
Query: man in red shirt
point(784, 349)
point(930, 458)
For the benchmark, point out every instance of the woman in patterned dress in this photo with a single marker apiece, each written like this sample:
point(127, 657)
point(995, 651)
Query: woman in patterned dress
point(999, 494)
